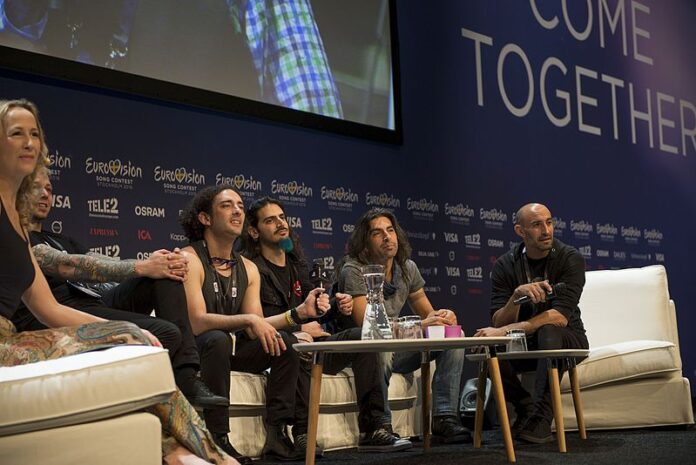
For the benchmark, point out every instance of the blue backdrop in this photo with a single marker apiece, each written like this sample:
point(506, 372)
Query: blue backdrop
point(590, 111)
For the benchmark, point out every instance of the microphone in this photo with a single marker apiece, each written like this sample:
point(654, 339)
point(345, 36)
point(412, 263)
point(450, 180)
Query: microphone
point(318, 276)
point(558, 289)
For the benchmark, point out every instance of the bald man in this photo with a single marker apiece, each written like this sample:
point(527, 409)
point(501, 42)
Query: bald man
point(530, 270)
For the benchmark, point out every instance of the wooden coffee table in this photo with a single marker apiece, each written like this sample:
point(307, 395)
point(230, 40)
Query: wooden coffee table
point(553, 358)
point(319, 349)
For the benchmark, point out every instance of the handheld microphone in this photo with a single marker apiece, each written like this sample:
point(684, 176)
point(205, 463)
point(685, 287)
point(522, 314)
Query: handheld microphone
point(318, 276)
point(558, 289)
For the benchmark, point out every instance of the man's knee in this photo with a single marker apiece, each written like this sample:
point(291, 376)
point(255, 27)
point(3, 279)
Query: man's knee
point(167, 333)
point(550, 337)
point(214, 343)
point(452, 359)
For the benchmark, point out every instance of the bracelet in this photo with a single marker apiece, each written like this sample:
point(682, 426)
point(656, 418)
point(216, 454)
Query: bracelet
point(295, 316)
point(289, 318)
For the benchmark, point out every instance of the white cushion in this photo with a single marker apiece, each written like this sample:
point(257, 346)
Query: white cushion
point(82, 388)
point(249, 390)
point(130, 439)
point(626, 360)
point(626, 305)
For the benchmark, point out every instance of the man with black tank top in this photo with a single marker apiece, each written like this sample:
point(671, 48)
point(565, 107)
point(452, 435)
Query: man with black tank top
point(86, 282)
point(531, 269)
point(285, 281)
point(223, 295)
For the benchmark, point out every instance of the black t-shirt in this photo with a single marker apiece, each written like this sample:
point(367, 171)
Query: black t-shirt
point(290, 285)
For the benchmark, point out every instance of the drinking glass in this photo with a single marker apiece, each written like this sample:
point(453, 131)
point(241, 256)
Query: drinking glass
point(518, 342)
point(409, 327)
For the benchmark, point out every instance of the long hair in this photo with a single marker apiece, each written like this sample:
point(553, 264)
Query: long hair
point(357, 247)
point(201, 202)
point(22, 203)
point(252, 248)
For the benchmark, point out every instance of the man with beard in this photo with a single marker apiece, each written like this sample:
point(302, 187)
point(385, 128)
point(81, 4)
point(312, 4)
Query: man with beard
point(285, 282)
point(528, 271)
point(232, 333)
point(379, 239)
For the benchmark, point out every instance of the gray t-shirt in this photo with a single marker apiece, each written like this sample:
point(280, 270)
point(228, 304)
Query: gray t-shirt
point(406, 281)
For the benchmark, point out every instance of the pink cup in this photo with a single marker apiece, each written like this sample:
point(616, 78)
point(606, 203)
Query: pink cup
point(453, 331)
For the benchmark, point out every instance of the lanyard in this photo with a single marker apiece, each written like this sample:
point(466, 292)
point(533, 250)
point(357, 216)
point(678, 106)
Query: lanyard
point(528, 269)
point(225, 297)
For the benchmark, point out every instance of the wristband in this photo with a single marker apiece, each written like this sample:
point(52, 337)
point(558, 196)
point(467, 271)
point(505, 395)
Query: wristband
point(295, 316)
point(289, 318)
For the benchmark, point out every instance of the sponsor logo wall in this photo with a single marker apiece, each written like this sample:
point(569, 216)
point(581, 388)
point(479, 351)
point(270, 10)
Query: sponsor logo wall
point(455, 242)
point(514, 118)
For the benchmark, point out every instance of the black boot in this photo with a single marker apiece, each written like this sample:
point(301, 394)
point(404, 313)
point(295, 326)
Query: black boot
point(223, 442)
point(201, 396)
point(279, 446)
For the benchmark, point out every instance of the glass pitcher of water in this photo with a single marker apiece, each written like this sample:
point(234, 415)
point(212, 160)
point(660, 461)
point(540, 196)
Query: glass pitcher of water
point(376, 325)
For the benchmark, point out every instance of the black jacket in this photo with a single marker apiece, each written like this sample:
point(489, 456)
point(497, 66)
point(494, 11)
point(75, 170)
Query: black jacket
point(273, 299)
point(564, 265)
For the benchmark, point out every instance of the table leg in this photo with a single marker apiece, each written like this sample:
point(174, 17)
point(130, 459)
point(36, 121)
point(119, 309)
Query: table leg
point(577, 402)
point(555, 387)
point(480, 399)
point(494, 368)
point(314, 396)
point(425, 387)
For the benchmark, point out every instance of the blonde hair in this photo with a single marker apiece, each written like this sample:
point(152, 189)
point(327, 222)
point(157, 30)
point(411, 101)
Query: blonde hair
point(43, 161)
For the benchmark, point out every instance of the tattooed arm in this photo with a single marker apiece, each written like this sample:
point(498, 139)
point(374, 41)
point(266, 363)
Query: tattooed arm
point(98, 268)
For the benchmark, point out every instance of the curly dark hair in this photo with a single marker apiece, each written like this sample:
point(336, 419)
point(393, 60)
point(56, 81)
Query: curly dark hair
point(201, 202)
point(251, 247)
point(357, 243)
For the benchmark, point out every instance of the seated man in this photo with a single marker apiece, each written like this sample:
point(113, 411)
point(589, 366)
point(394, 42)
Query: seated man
point(222, 291)
point(149, 284)
point(527, 271)
point(285, 283)
point(378, 239)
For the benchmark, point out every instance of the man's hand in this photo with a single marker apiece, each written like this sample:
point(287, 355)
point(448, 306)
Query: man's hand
point(163, 264)
point(448, 315)
point(314, 330)
point(436, 318)
point(153, 340)
point(490, 332)
point(535, 291)
point(271, 340)
point(315, 305)
point(345, 303)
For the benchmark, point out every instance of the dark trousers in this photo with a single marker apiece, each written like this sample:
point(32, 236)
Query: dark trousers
point(287, 398)
point(166, 332)
point(168, 299)
point(368, 376)
point(547, 337)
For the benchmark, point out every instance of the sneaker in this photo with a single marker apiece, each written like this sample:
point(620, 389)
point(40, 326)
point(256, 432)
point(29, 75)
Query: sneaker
point(523, 411)
point(301, 446)
point(381, 440)
point(536, 430)
point(448, 430)
point(223, 442)
point(518, 425)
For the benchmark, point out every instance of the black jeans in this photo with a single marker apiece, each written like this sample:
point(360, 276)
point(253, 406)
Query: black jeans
point(166, 332)
point(287, 398)
point(368, 374)
point(547, 337)
point(168, 299)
